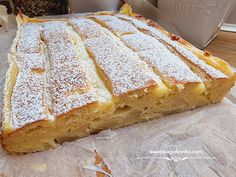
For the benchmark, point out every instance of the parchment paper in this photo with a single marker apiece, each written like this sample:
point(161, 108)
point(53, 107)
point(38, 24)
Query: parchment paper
point(201, 142)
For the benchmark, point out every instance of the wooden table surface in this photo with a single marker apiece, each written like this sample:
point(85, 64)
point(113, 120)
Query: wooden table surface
point(224, 46)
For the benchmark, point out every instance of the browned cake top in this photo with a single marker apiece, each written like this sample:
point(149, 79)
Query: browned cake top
point(126, 72)
point(81, 25)
point(28, 101)
point(69, 83)
point(156, 54)
point(117, 26)
point(190, 56)
point(30, 39)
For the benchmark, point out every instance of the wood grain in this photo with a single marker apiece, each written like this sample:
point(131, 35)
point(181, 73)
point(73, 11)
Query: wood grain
point(224, 46)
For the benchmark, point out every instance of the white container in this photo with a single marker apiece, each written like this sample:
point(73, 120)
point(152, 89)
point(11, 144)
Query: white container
point(197, 21)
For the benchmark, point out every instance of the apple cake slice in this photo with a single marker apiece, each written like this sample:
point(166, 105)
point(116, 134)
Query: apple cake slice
point(68, 78)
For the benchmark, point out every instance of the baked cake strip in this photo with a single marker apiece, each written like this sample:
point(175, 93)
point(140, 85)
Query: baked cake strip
point(207, 72)
point(28, 98)
point(168, 66)
point(69, 81)
point(56, 66)
point(212, 70)
point(158, 56)
point(110, 56)
point(106, 20)
point(149, 27)
point(94, 44)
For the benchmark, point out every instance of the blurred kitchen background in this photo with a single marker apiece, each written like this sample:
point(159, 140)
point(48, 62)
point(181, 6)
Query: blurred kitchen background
point(231, 19)
point(199, 21)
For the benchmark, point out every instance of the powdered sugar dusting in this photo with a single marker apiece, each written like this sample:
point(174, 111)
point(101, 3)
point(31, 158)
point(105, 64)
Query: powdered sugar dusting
point(137, 23)
point(74, 101)
point(67, 79)
point(139, 41)
point(209, 70)
point(157, 55)
point(31, 61)
point(124, 72)
point(116, 25)
point(28, 102)
point(81, 25)
point(30, 38)
point(28, 98)
point(69, 82)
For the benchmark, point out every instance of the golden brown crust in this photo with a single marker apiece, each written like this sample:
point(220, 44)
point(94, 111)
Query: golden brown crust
point(205, 55)
point(212, 60)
